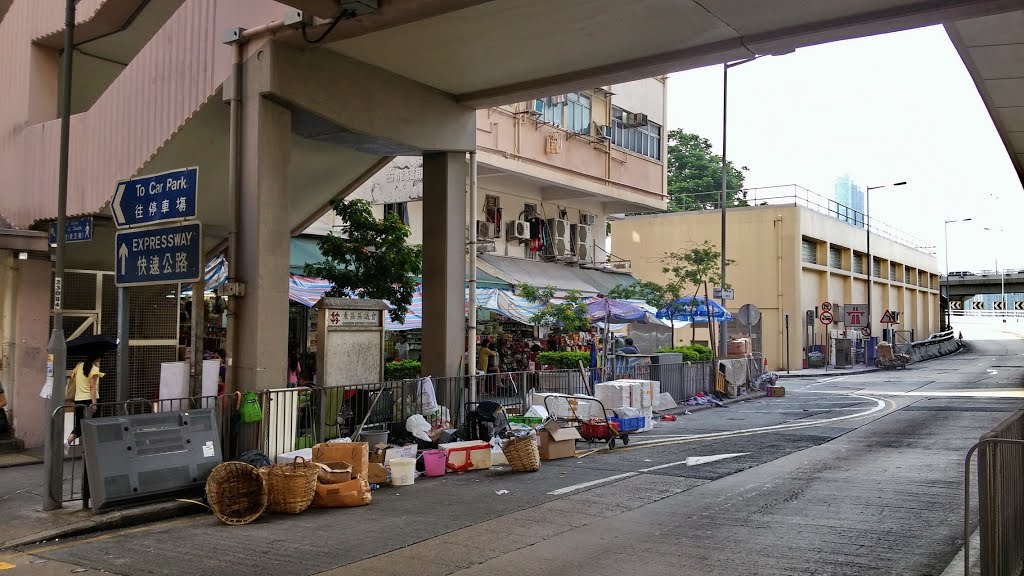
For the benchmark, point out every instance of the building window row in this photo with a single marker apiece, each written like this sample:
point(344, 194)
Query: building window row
point(834, 254)
point(645, 140)
point(569, 111)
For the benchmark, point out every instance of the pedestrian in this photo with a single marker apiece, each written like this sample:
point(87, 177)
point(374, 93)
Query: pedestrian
point(483, 355)
point(629, 348)
point(85, 383)
point(402, 348)
point(294, 369)
point(4, 422)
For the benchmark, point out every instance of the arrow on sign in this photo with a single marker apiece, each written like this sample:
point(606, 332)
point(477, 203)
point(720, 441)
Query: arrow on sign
point(694, 461)
point(122, 253)
point(115, 204)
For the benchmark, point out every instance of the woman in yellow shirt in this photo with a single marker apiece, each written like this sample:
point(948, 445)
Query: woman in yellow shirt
point(87, 389)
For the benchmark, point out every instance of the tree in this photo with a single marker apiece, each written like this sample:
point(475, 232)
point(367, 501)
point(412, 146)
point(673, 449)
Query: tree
point(371, 258)
point(695, 175)
point(696, 267)
point(570, 314)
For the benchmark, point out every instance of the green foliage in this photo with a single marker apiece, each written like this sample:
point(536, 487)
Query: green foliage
point(696, 266)
point(569, 315)
point(652, 293)
point(404, 370)
point(695, 175)
point(370, 258)
point(564, 360)
point(691, 353)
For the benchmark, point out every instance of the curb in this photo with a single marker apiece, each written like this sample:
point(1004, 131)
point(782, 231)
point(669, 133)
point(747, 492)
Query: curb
point(104, 521)
point(683, 408)
point(836, 372)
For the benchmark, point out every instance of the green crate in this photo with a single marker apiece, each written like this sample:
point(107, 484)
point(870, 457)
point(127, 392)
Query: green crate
point(526, 420)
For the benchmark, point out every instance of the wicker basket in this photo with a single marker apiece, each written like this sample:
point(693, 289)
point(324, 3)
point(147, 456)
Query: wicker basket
point(236, 493)
point(522, 453)
point(291, 486)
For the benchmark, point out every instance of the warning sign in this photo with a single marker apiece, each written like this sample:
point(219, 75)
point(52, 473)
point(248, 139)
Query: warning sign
point(999, 305)
point(1018, 305)
point(890, 317)
point(956, 305)
point(826, 306)
point(826, 318)
point(977, 305)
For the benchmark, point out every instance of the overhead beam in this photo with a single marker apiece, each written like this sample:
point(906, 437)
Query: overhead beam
point(390, 14)
point(109, 18)
point(783, 40)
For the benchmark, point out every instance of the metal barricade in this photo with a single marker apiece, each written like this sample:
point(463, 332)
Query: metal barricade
point(1000, 499)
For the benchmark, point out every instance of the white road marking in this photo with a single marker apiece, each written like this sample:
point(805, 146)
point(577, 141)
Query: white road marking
point(694, 461)
point(576, 487)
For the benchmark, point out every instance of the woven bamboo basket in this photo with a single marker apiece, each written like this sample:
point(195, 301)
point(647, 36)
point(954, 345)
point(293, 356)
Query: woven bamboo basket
point(236, 492)
point(522, 453)
point(291, 486)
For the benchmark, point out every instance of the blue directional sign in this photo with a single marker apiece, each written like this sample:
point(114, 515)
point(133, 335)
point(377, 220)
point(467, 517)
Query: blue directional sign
point(163, 255)
point(75, 230)
point(156, 198)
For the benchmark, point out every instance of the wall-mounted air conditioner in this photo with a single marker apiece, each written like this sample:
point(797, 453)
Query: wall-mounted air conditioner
point(582, 233)
point(583, 252)
point(588, 219)
point(484, 230)
point(560, 246)
point(558, 228)
point(635, 119)
point(517, 230)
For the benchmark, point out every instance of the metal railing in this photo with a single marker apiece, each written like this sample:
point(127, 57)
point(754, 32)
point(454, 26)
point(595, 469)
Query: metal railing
point(987, 313)
point(1000, 499)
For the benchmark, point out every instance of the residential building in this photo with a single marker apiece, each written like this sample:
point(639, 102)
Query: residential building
point(791, 257)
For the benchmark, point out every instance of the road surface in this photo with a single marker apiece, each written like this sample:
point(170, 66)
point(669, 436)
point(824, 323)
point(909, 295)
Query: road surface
point(852, 475)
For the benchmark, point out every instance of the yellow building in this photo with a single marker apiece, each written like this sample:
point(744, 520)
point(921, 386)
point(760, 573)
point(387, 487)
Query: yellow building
point(790, 257)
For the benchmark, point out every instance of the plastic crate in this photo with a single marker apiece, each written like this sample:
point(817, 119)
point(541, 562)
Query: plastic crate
point(628, 424)
point(596, 429)
point(526, 420)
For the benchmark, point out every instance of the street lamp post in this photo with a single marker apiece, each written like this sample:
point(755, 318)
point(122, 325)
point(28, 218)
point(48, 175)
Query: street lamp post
point(1002, 277)
point(870, 262)
point(946, 246)
point(723, 326)
point(53, 458)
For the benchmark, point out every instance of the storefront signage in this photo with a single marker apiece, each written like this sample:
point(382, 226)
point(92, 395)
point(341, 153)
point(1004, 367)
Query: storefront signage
point(344, 318)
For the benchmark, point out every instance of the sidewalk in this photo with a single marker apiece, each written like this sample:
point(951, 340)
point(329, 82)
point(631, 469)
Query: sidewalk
point(25, 522)
point(831, 371)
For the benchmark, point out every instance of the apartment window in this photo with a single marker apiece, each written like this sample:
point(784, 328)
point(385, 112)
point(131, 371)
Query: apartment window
point(400, 209)
point(554, 107)
point(577, 113)
point(644, 140)
point(835, 257)
point(809, 251)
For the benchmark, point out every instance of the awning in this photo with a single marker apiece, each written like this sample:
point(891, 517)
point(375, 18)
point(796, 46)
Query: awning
point(516, 271)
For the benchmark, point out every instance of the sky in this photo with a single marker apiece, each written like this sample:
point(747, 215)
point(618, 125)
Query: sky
point(884, 109)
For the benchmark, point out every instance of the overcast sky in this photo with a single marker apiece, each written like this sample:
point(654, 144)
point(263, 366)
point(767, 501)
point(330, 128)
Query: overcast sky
point(881, 109)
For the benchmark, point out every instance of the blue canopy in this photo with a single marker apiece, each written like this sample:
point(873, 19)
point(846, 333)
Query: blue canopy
point(694, 309)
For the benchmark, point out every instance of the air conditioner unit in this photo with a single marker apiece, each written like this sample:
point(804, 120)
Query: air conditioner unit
point(623, 265)
point(560, 246)
point(635, 119)
point(558, 228)
point(587, 219)
point(583, 252)
point(484, 230)
point(517, 230)
point(582, 233)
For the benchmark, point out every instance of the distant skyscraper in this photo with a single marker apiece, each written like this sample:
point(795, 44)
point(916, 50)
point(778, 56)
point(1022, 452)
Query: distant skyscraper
point(849, 201)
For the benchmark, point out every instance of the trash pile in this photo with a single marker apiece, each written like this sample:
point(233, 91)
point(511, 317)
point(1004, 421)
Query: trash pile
point(702, 399)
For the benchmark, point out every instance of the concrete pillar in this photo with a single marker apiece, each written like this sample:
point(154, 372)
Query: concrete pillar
point(264, 243)
point(31, 333)
point(444, 262)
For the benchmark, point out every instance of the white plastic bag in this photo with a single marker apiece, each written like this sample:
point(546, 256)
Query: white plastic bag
point(627, 412)
point(418, 426)
point(428, 400)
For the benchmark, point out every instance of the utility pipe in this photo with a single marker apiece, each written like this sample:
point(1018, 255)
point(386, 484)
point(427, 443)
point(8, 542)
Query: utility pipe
point(471, 241)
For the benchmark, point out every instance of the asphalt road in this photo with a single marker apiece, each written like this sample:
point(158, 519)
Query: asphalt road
point(849, 475)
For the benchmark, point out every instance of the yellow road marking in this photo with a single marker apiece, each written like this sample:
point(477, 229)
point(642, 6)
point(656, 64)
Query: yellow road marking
point(6, 566)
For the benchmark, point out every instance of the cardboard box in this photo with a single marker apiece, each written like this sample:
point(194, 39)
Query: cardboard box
point(464, 456)
point(775, 391)
point(355, 453)
point(561, 407)
point(557, 442)
point(377, 473)
point(353, 493)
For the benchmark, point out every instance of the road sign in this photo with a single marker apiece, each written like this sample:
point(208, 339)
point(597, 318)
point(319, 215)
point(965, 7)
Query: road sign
point(865, 331)
point(999, 305)
point(855, 315)
point(156, 198)
point(956, 305)
point(826, 306)
point(890, 317)
point(977, 305)
point(75, 230)
point(826, 318)
point(1018, 305)
point(730, 294)
point(749, 315)
point(161, 255)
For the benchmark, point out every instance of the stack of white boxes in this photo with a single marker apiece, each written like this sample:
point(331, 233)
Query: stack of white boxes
point(639, 394)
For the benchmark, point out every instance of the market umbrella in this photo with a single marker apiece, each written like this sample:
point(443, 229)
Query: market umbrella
point(601, 309)
point(90, 344)
point(694, 309)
